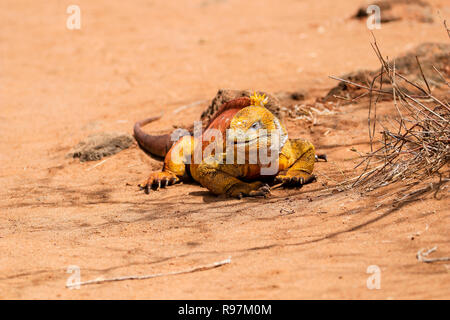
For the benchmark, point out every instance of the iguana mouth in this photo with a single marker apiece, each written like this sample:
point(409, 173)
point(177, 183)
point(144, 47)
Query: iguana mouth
point(251, 141)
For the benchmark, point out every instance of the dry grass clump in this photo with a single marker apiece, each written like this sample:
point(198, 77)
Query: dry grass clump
point(415, 144)
point(309, 112)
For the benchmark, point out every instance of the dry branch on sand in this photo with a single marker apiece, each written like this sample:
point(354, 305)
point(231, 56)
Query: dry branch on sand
point(150, 276)
point(422, 255)
point(415, 144)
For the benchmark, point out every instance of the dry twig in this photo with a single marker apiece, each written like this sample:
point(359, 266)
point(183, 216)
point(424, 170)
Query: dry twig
point(422, 254)
point(149, 276)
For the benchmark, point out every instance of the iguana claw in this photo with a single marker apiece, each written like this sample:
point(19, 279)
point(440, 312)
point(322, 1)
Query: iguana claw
point(294, 181)
point(263, 191)
point(255, 189)
point(321, 157)
point(159, 180)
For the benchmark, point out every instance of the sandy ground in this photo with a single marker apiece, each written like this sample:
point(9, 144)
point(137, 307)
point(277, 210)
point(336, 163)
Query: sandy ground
point(133, 59)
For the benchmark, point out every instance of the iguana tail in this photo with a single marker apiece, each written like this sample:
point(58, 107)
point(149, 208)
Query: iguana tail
point(157, 145)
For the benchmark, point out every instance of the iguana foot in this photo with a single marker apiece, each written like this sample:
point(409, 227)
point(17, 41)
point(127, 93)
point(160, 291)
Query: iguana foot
point(295, 181)
point(254, 189)
point(159, 180)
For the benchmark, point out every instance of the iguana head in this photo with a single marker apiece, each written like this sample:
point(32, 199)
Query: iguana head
point(256, 126)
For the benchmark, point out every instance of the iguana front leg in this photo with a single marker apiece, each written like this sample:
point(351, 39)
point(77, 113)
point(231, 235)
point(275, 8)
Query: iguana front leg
point(300, 155)
point(221, 179)
point(174, 169)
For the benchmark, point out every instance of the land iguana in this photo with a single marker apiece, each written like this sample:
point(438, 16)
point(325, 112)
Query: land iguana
point(252, 126)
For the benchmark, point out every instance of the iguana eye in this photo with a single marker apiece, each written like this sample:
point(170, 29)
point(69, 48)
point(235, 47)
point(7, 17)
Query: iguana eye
point(255, 125)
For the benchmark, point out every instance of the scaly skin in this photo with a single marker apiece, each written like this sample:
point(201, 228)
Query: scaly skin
point(247, 116)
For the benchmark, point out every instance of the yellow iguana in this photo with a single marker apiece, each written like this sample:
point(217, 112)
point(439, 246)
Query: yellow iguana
point(244, 124)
